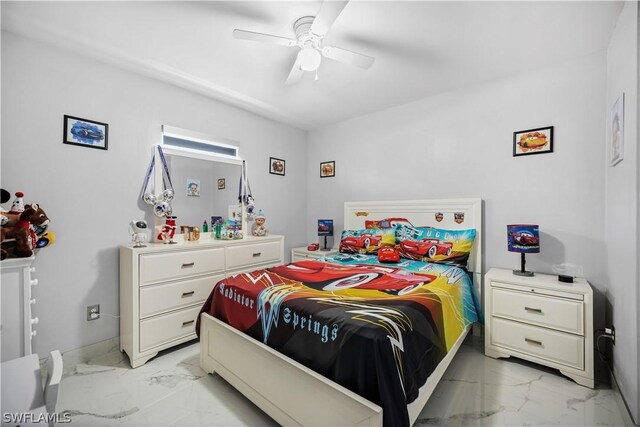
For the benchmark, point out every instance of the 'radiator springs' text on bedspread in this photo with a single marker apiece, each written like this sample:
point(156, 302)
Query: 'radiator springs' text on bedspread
point(268, 311)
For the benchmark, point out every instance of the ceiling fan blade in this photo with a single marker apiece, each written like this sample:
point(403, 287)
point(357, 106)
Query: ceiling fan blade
point(295, 75)
point(328, 13)
point(260, 37)
point(348, 57)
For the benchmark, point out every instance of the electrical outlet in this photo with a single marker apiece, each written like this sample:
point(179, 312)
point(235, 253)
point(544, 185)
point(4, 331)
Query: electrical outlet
point(613, 334)
point(93, 312)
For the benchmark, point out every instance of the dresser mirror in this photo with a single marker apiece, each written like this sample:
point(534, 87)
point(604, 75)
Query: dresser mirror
point(203, 188)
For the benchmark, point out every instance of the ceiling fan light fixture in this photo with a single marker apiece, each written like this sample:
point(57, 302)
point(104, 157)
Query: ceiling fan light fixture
point(309, 59)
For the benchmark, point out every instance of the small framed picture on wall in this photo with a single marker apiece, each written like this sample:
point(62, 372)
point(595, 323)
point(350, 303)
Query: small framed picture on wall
point(276, 166)
point(533, 141)
point(221, 184)
point(85, 133)
point(616, 126)
point(328, 169)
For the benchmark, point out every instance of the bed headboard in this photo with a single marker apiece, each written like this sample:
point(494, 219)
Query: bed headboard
point(468, 213)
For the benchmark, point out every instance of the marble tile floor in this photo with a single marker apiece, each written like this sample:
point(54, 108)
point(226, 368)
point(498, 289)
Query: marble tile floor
point(172, 390)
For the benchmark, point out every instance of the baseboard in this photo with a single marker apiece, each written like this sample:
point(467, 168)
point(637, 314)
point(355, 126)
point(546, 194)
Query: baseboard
point(622, 403)
point(86, 354)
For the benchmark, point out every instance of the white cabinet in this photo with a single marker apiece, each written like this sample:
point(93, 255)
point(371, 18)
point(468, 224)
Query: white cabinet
point(541, 320)
point(299, 254)
point(163, 287)
point(17, 326)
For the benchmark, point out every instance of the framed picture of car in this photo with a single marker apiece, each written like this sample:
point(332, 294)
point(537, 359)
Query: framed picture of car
point(328, 169)
point(533, 141)
point(85, 133)
point(276, 166)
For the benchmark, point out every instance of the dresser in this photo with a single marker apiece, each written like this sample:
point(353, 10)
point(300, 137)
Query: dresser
point(17, 321)
point(541, 320)
point(163, 287)
point(300, 254)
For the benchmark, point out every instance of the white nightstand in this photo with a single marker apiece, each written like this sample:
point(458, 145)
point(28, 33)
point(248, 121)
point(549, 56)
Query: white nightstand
point(541, 320)
point(299, 254)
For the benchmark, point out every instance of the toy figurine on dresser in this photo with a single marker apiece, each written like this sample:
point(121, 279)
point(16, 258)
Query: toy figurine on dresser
point(258, 229)
point(167, 231)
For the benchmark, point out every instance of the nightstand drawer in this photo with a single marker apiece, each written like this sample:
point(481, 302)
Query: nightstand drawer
point(170, 296)
point(554, 313)
point(157, 331)
point(247, 255)
point(558, 347)
point(167, 266)
point(302, 256)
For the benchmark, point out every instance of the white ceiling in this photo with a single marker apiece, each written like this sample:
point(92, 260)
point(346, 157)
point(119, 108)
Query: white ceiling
point(421, 47)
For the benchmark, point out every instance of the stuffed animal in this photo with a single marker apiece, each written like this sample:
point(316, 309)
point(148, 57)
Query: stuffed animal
point(4, 196)
point(18, 238)
point(17, 207)
point(4, 199)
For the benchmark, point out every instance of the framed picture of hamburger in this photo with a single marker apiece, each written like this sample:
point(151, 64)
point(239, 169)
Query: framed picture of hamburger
point(533, 141)
point(276, 166)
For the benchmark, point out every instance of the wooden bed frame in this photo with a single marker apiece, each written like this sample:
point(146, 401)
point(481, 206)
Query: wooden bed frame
point(293, 394)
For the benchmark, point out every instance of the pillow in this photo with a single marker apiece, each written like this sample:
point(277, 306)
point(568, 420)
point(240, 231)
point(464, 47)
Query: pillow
point(450, 247)
point(366, 241)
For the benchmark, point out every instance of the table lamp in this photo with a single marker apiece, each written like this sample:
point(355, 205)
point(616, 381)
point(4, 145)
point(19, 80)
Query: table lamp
point(525, 239)
point(325, 228)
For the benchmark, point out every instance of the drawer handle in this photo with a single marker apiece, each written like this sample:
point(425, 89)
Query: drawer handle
point(530, 341)
point(535, 310)
point(188, 264)
point(190, 322)
point(188, 294)
point(256, 254)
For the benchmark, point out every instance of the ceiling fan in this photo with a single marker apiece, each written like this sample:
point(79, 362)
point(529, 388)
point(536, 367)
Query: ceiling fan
point(310, 32)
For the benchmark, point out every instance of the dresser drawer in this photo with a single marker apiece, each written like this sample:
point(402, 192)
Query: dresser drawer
point(167, 266)
point(555, 313)
point(247, 255)
point(157, 299)
point(159, 330)
point(558, 347)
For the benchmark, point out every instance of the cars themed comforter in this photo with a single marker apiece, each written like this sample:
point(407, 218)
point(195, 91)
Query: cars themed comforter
point(378, 330)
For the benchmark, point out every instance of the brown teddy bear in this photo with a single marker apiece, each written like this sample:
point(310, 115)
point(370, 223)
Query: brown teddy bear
point(18, 238)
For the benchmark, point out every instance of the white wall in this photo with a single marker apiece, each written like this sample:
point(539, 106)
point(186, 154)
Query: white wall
point(91, 195)
point(621, 207)
point(459, 144)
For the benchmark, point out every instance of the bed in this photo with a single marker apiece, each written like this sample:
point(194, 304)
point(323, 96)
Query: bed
point(294, 394)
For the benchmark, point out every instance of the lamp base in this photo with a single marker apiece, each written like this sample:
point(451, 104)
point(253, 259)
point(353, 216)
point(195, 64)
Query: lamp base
point(523, 273)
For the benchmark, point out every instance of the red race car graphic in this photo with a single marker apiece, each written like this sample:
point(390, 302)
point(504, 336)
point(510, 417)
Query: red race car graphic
point(362, 241)
point(427, 248)
point(525, 238)
point(386, 223)
point(330, 277)
point(388, 254)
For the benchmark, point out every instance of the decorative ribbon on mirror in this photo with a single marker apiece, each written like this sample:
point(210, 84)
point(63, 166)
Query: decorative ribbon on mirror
point(244, 191)
point(161, 203)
